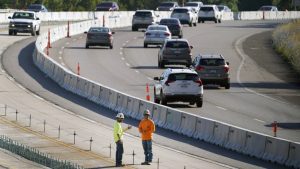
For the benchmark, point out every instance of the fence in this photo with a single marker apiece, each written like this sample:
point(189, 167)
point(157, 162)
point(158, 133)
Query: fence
point(34, 155)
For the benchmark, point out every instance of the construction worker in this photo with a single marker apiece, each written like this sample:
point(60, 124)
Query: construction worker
point(118, 137)
point(146, 128)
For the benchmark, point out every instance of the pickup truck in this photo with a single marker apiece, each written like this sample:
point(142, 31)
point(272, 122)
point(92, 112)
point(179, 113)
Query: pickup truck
point(24, 22)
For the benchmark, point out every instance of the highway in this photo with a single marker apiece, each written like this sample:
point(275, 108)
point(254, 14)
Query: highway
point(18, 63)
point(255, 100)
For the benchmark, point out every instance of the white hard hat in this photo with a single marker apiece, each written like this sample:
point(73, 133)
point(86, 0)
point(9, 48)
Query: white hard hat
point(120, 115)
point(147, 112)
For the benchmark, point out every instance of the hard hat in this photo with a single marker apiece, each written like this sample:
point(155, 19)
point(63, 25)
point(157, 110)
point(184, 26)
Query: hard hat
point(147, 112)
point(120, 115)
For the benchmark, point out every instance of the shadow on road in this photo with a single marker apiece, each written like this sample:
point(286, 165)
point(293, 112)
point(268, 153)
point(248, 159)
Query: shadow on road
point(285, 125)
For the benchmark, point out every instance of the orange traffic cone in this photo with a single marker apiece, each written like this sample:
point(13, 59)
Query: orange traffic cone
point(147, 91)
point(78, 69)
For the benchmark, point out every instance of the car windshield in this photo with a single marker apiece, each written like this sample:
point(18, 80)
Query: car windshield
point(220, 8)
point(177, 44)
point(22, 15)
point(191, 4)
point(143, 14)
point(158, 28)
point(206, 9)
point(99, 30)
point(105, 4)
point(183, 76)
point(169, 21)
point(168, 4)
point(180, 10)
point(212, 62)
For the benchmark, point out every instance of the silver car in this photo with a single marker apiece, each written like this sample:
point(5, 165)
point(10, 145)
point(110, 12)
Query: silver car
point(175, 52)
point(156, 35)
point(99, 36)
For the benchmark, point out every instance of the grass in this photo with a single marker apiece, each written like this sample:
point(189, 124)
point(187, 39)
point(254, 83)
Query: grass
point(286, 40)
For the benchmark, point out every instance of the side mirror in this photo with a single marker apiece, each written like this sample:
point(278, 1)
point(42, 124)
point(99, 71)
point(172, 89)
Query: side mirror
point(155, 78)
point(227, 63)
point(85, 32)
point(191, 47)
point(9, 17)
point(143, 30)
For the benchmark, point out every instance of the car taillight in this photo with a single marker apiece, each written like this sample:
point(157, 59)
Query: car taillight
point(169, 81)
point(167, 34)
point(226, 69)
point(199, 68)
point(198, 81)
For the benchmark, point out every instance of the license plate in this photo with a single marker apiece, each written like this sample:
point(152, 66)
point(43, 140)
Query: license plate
point(176, 52)
point(213, 71)
point(184, 86)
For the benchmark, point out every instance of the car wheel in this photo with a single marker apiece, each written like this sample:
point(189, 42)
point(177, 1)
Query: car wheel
point(15, 32)
point(145, 45)
point(216, 20)
point(190, 24)
point(195, 24)
point(156, 100)
point(87, 46)
point(10, 32)
point(219, 21)
point(203, 21)
point(33, 33)
point(111, 46)
point(38, 32)
point(192, 103)
point(227, 86)
point(180, 36)
point(199, 20)
point(163, 99)
point(199, 103)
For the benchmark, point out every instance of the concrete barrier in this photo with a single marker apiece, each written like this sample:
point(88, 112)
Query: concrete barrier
point(159, 115)
point(113, 99)
point(236, 139)
point(204, 129)
point(188, 124)
point(255, 144)
point(94, 92)
point(294, 155)
point(276, 150)
point(144, 105)
point(220, 134)
point(173, 120)
point(134, 111)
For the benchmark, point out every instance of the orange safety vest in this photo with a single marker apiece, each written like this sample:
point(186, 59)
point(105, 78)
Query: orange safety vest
point(146, 128)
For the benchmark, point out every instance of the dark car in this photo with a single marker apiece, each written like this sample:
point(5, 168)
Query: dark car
point(99, 36)
point(37, 8)
point(175, 52)
point(174, 26)
point(107, 6)
point(167, 6)
point(212, 69)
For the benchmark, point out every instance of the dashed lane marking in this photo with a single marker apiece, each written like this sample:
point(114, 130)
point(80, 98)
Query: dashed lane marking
point(121, 53)
point(122, 58)
point(149, 78)
point(137, 71)
point(60, 52)
point(60, 58)
point(127, 64)
point(222, 108)
point(259, 120)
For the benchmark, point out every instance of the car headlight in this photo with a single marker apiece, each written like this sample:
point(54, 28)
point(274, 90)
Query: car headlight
point(12, 24)
point(29, 26)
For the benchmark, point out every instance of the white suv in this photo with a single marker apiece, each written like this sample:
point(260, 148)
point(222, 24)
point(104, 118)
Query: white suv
point(186, 15)
point(209, 13)
point(178, 85)
point(142, 19)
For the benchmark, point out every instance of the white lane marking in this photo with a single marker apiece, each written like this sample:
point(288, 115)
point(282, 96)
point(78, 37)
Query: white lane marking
point(137, 71)
point(135, 37)
point(242, 55)
point(259, 120)
point(124, 44)
point(149, 78)
point(60, 52)
point(121, 53)
point(121, 48)
point(122, 58)
point(62, 47)
point(60, 58)
point(127, 64)
point(221, 108)
point(127, 41)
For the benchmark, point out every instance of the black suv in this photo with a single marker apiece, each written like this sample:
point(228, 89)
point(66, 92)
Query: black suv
point(212, 69)
point(174, 26)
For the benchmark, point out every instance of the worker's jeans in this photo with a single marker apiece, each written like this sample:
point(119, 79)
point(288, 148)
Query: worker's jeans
point(147, 145)
point(119, 153)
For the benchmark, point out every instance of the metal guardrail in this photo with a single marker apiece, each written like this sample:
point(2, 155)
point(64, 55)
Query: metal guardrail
point(34, 155)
